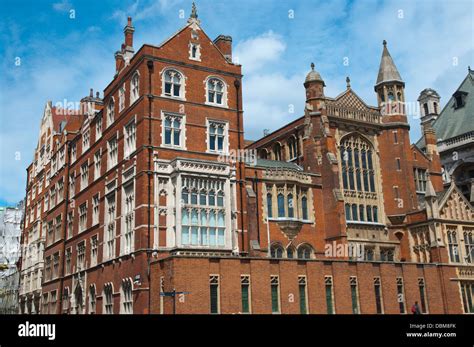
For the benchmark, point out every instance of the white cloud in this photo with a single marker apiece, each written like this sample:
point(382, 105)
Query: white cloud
point(256, 52)
point(271, 99)
point(143, 10)
point(62, 6)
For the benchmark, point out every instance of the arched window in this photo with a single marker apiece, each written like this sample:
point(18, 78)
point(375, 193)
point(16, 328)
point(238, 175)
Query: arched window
point(304, 207)
point(108, 298)
point(173, 83)
point(263, 153)
point(391, 97)
point(375, 214)
point(354, 212)
point(304, 252)
point(92, 299)
point(135, 87)
point(293, 148)
point(277, 151)
point(369, 213)
point(216, 90)
point(172, 130)
point(269, 206)
point(291, 207)
point(425, 108)
point(435, 106)
point(126, 296)
point(361, 213)
point(111, 111)
point(343, 154)
point(220, 199)
point(276, 251)
point(78, 300)
point(66, 300)
point(290, 252)
point(348, 211)
point(281, 206)
point(453, 246)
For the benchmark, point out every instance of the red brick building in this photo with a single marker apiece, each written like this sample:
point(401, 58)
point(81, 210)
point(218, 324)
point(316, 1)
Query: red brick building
point(144, 192)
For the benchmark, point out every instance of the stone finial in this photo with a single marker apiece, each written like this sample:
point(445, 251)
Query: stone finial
point(312, 66)
point(91, 94)
point(194, 11)
point(384, 42)
point(348, 82)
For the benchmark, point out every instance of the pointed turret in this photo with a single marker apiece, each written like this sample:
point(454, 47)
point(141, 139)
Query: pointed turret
point(389, 87)
point(388, 72)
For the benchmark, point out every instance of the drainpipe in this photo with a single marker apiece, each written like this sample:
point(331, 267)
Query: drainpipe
point(64, 226)
point(255, 188)
point(149, 64)
point(241, 181)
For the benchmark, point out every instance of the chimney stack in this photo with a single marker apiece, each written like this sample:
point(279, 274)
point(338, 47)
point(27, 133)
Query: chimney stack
point(128, 31)
point(224, 43)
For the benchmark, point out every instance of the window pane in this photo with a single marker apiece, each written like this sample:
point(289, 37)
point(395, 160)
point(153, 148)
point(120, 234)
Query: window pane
point(212, 142)
point(204, 240)
point(212, 236)
point(212, 198)
point(220, 238)
point(185, 236)
point(304, 207)
point(212, 219)
point(176, 137)
point(220, 199)
point(194, 235)
point(220, 219)
point(168, 136)
point(220, 143)
point(281, 205)
point(184, 217)
point(176, 90)
point(168, 88)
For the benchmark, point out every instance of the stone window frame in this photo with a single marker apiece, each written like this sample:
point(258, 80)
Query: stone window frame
point(182, 84)
point(182, 129)
point(297, 191)
point(126, 296)
point(225, 91)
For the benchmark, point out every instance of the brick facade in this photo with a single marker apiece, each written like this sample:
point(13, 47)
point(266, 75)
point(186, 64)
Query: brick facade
point(171, 207)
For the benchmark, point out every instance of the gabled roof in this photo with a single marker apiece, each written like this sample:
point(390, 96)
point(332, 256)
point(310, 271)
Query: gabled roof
point(387, 71)
point(350, 99)
point(453, 122)
point(443, 199)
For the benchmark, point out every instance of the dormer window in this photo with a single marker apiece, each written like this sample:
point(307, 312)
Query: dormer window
point(194, 51)
point(172, 84)
point(459, 99)
point(216, 92)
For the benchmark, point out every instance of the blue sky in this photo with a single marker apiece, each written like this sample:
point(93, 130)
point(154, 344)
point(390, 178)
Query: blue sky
point(60, 57)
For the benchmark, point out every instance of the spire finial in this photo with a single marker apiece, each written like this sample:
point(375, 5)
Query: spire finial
point(348, 82)
point(384, 42)
point(312, 66)
point(194, 12)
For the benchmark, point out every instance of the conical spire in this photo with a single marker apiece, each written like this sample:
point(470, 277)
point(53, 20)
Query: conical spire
point(388, 71)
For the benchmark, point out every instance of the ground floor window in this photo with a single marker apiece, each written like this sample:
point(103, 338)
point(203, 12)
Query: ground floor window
point(467, 293)
point(214, 291)
point(275, 292)
point(329, 294)
point(245, 287)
